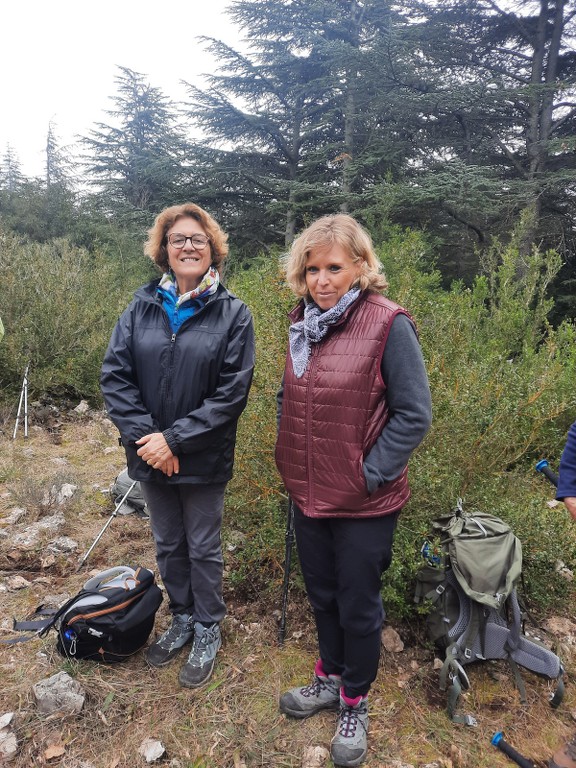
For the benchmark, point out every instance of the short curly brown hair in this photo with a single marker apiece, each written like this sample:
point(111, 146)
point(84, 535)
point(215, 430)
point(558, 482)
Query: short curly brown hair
point(155, 245)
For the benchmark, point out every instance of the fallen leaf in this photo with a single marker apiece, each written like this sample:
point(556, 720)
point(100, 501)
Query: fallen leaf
point(54, 750)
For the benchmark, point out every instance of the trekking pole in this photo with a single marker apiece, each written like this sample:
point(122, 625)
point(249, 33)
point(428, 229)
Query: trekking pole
point(544, 467)
point(287, 564)
point(503, 746)
point(112, 516)
point(23, 400)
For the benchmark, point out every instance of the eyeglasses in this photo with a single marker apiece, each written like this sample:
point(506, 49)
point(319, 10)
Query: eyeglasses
point(177, 240)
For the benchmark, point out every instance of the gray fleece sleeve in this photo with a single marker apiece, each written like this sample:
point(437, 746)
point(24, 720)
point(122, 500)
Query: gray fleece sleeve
point(409, 402)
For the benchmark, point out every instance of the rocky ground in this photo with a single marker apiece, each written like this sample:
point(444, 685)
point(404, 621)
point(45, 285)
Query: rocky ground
point(54, 502)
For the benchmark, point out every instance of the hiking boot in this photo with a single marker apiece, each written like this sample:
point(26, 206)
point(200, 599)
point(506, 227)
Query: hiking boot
point(565, 757)
point(198, 669)
point(350, 743)
point(171, 642)
point(322, 693)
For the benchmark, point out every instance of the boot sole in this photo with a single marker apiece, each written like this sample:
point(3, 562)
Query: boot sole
point(349, 763)
point(298, 714)
point(205, 681)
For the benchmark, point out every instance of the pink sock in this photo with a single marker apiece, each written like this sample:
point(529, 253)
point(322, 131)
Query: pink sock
point(319, 670)
point(351, 702)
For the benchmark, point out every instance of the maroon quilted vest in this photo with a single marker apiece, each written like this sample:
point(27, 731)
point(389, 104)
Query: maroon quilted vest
point(333, 414)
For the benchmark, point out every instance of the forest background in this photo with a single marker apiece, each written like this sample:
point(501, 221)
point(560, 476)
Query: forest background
point(449, 130)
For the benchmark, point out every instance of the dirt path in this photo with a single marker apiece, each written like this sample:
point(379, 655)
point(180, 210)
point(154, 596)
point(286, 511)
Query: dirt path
point(234, 722)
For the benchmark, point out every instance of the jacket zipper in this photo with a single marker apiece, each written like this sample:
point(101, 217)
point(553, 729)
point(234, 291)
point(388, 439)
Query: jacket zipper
point(168, 378)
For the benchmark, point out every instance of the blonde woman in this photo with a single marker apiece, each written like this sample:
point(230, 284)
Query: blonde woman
point(354, 404)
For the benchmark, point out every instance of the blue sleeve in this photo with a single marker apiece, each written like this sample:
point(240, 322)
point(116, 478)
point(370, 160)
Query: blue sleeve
point(567, 472)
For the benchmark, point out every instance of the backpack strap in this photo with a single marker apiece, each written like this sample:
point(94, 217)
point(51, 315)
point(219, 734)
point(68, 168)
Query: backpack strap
point(452, 670)
point(476, 627)
point(558, 695)
point(30, 625)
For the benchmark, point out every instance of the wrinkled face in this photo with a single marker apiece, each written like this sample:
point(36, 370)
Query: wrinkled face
point(330, 273)
point(189, 261)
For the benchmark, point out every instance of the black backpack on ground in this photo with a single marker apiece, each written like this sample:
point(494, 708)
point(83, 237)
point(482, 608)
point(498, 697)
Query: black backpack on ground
point(110, 618)
point(472, 564)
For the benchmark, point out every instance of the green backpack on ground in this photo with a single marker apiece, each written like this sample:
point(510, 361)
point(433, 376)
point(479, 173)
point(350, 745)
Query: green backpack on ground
point(472, 564)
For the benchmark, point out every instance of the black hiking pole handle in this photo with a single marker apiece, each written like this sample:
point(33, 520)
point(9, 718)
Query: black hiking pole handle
point(287, 564)
point(543, 466)
point(503, 746)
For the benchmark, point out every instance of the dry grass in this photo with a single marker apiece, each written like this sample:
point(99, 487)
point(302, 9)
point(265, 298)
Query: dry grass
point(233, 722)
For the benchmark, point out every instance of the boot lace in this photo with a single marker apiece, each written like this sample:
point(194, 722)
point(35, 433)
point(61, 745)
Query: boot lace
point(202, 643)
point(349, 721)
point(315, 688)
point(173, 634)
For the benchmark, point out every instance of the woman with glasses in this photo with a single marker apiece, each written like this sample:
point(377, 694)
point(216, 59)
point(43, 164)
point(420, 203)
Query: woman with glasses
point(175, 380)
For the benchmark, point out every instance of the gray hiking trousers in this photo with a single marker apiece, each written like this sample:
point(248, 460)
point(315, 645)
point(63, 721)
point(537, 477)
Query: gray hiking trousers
point(186, 522)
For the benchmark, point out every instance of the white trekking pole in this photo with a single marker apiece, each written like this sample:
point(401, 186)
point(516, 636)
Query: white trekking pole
point(112, 516)
point(23, 401)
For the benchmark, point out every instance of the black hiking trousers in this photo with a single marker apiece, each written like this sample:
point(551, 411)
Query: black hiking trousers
point(342, 561)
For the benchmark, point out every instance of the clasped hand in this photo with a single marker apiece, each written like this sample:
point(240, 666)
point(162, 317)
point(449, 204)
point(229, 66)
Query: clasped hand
point(154, 450)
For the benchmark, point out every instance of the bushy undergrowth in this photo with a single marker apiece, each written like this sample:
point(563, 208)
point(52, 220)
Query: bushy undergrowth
point(502, 383)
point(59, 304)
point(503, 394)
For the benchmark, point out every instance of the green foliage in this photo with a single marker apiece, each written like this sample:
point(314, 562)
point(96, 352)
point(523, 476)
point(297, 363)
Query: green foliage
point(257, 502)
point(139, 160)
point(59, 305)
point(502, 385)
point(503, 394)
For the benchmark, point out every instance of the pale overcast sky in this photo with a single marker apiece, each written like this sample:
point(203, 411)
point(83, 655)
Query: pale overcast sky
point(59, 60)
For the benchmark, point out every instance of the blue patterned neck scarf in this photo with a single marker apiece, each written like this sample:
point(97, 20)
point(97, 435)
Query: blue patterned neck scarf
point(181, 308)
point(208, 285)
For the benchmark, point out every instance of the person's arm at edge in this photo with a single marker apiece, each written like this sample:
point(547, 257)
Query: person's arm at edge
point(566, 490)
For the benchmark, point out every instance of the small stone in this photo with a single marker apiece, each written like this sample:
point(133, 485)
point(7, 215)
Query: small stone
point(59, 693)
point(17, 582)
point(315, 757)
point(151, 750)
point(391, 640)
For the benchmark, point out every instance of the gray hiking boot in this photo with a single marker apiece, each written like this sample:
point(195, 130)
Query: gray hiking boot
point(322, 693)
point(169, 644)
point(350, 743)
point(198, 669)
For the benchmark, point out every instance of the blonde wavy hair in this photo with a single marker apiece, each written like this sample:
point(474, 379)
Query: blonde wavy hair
point(155, 245)
point(343, 230)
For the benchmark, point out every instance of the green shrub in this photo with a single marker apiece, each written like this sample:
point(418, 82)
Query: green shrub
point(502, 384)
point(503, 396)
point(59, 304)
point(257, 502)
